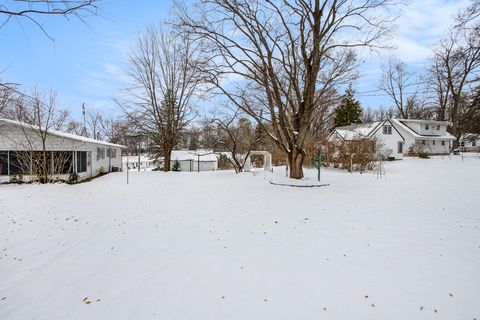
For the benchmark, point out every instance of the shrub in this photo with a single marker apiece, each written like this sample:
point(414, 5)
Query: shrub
point(176, 166)
point(72, 178)
point(419, 150)
point(423, 155)
point(356, 155)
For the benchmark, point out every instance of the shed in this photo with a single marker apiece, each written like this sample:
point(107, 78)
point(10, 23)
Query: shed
point(194, 160)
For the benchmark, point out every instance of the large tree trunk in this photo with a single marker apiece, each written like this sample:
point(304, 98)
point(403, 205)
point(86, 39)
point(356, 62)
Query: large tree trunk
point(167, 157)
point(295, 163)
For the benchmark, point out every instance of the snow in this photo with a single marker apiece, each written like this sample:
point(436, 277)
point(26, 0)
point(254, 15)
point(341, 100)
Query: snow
point(134, 159)
point(62, 134)
point(184, 155)
point(357, 131)
point(215, 245)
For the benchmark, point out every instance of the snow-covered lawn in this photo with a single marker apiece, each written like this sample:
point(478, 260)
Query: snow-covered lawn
point(225, 246)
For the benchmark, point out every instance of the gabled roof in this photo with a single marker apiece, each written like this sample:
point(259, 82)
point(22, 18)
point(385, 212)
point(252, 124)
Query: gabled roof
point(61, 134)
point(399, 123)
point(470, 137)
point(357, 131)
point(436, 122)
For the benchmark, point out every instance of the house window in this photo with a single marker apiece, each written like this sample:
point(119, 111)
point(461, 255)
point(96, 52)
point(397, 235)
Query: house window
point(427, 127)
point(100, 153)
point(423, 142)
point(462, 144)
point(20, 162)
point(400, 147)
point(443, 142)
point(81, 161)
point(438, 127)
point(433, 142)
point(3, 163)
point(387, 129)
point(474, 143)
point(108, 152)
point(62, 162)
point(113, 153)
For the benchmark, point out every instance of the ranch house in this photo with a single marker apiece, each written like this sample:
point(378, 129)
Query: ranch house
point(22, 149)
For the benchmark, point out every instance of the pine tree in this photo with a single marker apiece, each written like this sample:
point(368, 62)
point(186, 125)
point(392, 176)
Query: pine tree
point(349, 111)
point(176, 166)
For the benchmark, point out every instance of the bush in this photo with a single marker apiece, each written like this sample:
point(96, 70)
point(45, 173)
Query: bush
point(16, 179)
point(419, 150)
point(72, 178)
point(356, 155)
point(423, 155)
point(176, 166)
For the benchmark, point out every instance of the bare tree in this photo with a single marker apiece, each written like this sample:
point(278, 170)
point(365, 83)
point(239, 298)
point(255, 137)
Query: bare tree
point(40, 115)
point(30, 10)
point(237, 135)
point(165, 71)
point(276, 59)
point(396, 82)
point(454, 75)
point(94, 123)
point(74, 127)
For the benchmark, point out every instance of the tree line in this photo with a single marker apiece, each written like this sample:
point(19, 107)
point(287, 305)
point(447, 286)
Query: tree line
point(270, 71)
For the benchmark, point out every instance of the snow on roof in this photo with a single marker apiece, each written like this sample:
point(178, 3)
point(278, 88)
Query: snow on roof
point(182, 155)
point(470, 137)
point(399, 122)
point(425, 121)
point(61, 134)
point(357, 131)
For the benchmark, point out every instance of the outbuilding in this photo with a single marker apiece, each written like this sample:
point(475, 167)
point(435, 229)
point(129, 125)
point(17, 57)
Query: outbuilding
point(24, 147)
point(194, 160)
point(470, 142)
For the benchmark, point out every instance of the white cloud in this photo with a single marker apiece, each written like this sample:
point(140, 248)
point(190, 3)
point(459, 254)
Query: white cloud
point(422, 24)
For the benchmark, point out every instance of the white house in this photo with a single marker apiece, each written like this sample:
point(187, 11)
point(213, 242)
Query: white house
point(430, 134)
point(388, 138)
point(470, 142)
point(194, 160)
point(139, 163)
point(20, 143)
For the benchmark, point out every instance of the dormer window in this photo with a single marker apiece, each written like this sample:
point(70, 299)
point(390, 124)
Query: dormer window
point(427, 127)
point(387, 129)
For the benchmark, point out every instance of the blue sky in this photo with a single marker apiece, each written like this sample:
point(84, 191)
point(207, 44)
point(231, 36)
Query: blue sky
point(87, 63)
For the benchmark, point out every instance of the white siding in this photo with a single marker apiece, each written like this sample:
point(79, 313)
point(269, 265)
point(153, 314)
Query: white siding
point(389, 142)
point(15, 138)
point(434, 146)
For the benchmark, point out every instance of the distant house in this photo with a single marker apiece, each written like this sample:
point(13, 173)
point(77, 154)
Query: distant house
point(389, 140)
point(431, 135)
point(139, 163)
point(21, 144)
point(470, 142)
point(194, 160)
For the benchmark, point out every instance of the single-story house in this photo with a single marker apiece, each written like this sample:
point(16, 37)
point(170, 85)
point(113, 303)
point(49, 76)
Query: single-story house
point(431, 135)
point(139, 163)
point(389, 140)
point(470, 142)
point(194, 160)
point(22, 151)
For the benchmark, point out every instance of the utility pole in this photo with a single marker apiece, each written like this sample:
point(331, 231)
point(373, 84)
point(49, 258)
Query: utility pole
point(139, 148)
point(84, 131)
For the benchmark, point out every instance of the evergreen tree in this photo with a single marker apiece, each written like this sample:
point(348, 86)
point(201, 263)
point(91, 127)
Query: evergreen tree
point(349, 111)
point(176, 166)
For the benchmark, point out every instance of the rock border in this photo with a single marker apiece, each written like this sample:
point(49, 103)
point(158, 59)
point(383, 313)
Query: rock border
point(299, 186)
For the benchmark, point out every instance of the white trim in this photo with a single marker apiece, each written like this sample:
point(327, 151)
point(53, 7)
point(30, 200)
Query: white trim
point(62, 134)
